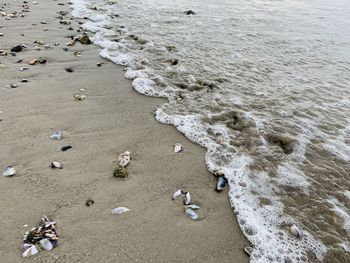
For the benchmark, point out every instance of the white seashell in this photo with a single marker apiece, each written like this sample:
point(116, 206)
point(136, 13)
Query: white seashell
point(80, 97)
point(30, 250)
point(56, 165)
point(120, 210)
point(57, 135)
point(178, 147)
point(248, 250)
point(9, 171)
point(187, 198)
point(193, 207)
point(296, 231)
point(176, 194)
point(124, 159)
point(46, 244)
point(191, 214)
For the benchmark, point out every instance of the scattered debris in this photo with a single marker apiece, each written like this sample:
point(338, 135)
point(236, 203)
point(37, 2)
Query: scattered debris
point(124, 159)
point(56, 165)
point(296, 231)
point(45, 235)
point(57, 135)
point(89, 202)
point(185, 196)
point(9, 171)
point(120, 210)
point(178, 147)
point(80, 97)
point(120, 171)
point(65, 148)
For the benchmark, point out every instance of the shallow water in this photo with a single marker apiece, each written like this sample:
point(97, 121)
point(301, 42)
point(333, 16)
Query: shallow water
point(264, 86)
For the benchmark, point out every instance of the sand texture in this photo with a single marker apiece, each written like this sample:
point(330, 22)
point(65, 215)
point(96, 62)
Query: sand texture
point(112, 119)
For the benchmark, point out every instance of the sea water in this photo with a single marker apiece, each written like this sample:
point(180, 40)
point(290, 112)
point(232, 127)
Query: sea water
point(264, 86)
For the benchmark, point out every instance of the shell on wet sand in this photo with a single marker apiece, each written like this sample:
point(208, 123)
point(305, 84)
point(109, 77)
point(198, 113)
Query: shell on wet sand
point(9, 171)
point(120, 171)
point(178, 147)
point(296, 231)
point(124, 159)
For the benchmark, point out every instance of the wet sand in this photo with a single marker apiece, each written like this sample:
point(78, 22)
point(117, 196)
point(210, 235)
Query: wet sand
point(112, 119)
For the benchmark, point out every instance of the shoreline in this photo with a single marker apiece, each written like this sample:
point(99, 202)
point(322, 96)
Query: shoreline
point(112, 119)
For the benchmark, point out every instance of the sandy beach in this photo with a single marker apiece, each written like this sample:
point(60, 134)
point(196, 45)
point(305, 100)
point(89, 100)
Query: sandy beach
point(112, 119)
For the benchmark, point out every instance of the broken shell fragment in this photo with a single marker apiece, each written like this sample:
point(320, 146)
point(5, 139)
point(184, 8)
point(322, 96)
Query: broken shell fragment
point(47, 244)
point(193, 207)
point(191, 214)
point(296, 231)
point(89, 202)
point(32, 62)
point(178, 147)
point(220, 183)
point(218, 173)
point(42, 60)
point(248, 250)
point(57, 135)
point(9, 171)
point(187, 198)
point(185, 195)
point(56, 165)
point(124, 159)
point(84, 39)
point(176, 194)
point(29, 250)
point(69, 70)
point(120, 171)
point(17, 48)
point(80, 97)
point(65, 148)
point(120, 210)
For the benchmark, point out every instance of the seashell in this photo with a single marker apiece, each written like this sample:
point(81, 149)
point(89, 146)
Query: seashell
point(89, 202)
point(187, 198)
point(120, 210)
point(178, 147)
point(23, 68)
point(193, 207)
point(9, 171)
point(37, 48)
point(32, 62)
point(70, 70)
point(124, 159)
point(248, 250)
point(296, 231)
point(57, 135)
point(56, 165)
point(120, 171)
point(77, 53)
point(42, 60)
point(24, 80)
point(84, 39)
point(191, 214)
point(220, 183)
point(80, 97)
point(65, 148)
point(176, 194)
point(218, 173)
point(47, 244)
point(29, 250)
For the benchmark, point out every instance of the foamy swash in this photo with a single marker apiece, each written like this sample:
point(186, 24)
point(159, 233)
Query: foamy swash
point(262, 88)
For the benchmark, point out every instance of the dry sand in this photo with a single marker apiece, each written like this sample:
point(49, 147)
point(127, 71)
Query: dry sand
point(112, 119)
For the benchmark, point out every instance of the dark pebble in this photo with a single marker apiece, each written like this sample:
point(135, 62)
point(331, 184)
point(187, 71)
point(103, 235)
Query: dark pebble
point(17, 48)
point(89, 202)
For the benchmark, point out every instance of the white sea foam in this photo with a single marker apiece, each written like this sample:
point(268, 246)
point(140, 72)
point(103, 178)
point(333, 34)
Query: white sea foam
point(340, 210)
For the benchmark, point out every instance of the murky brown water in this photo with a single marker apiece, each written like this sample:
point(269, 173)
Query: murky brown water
point(264, 86)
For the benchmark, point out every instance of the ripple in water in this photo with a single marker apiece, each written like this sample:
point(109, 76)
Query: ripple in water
point(264, 86)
